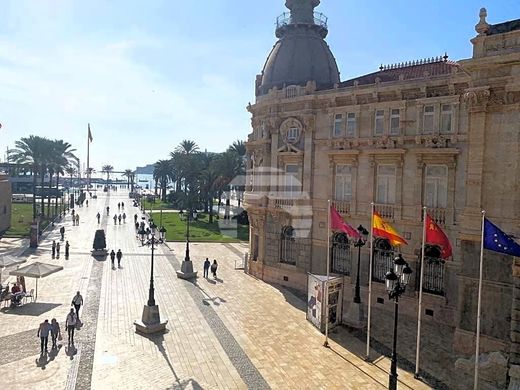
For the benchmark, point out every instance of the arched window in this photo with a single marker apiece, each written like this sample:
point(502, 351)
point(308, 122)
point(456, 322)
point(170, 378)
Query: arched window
point(340, 254)
point(433, 277)
point(287, 246)
point(383, 259)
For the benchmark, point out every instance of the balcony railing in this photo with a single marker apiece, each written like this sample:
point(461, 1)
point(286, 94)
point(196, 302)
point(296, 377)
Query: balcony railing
point(285, 19)
point(282, 203)
point(438, 214)
point(342, 206)
point(388, 211)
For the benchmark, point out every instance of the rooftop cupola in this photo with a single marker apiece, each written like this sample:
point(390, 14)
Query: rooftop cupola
point(301, 53)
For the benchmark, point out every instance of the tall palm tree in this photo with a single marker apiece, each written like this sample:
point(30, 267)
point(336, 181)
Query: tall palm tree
point(107, 169)
point(128, 173)
point(161, 175)
point(33, 151)
point(187, 147)
point(63, 157)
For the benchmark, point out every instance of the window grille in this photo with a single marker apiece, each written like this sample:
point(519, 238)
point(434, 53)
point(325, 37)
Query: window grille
point(287, 246)
point(341, 255)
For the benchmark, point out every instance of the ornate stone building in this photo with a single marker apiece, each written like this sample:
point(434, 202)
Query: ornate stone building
point(434, 132)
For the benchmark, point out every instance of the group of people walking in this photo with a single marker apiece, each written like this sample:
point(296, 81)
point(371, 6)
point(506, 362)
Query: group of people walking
point(119, 217)
point(53, 328)
point(208, 265)
point(56, 247)
point(113, 256)
point(75, 218)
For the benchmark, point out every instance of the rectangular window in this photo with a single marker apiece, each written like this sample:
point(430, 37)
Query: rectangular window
point(293, 134)
point(343, 182)
point(351, 124)
point(394, 122)
point(436, 186)
point(446, 118)
point(428, 119)
point(338, 125)
point(292, 182)
point(386, 184)
point(379, 124)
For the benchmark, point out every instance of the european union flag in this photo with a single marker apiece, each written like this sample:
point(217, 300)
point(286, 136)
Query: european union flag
point(498, 241)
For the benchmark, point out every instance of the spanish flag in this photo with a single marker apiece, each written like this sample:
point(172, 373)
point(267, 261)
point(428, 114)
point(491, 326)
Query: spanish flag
point(383, 229)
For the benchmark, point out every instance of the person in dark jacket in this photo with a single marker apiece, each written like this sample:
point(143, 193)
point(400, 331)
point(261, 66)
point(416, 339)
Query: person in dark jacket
point(112, 258)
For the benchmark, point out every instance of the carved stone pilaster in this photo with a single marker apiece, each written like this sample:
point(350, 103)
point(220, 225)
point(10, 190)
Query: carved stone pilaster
point(514, 357)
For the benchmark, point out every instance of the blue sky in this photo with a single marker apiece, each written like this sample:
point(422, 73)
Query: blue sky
point(149, 73)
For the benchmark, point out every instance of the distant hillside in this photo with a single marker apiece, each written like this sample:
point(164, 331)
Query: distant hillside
point(146, 170)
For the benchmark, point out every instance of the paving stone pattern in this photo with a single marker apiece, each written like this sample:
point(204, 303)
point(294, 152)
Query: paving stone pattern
point(246, 369)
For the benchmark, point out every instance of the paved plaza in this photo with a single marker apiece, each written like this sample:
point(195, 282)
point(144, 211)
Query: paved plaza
point(235, 332)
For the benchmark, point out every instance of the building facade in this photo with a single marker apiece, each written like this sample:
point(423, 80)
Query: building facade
point(435, 133)
point(5, 202)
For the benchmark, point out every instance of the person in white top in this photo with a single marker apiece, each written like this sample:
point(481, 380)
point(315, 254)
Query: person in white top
point(70, 324)
point(77, 301)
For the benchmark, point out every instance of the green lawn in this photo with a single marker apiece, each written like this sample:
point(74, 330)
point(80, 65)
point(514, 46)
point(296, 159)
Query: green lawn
point(21, 217)
point(157, 205)
point(200, 230)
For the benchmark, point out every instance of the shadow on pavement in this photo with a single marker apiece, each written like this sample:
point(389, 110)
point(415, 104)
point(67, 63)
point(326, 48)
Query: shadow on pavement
point(178, 384)
point(294, 297)
point(71, 351)
point(216, 300)
point(30, 309)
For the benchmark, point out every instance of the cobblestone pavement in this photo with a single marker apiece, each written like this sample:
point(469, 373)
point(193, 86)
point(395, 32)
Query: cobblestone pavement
point(234, 332)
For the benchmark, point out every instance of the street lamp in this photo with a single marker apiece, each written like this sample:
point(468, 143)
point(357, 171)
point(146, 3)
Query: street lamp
point(187, 256)
point(151, 291)
point(396, 281)
point(363, 235)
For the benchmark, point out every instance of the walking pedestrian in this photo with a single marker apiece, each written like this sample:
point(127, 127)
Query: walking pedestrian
point(98, 216)
point(135, 218)
point(67, 246)
point(62, 232)
point(214, 267)
point(115, 219)
point(108, 210)
point(77, 301)
point(43, 334)
point(55, 332)
point(53, 249)
point(57, 250)
point(119, 256)
point(122, 205)
point(124, 217)
point(70, 324)
point(137, 226)
point(119, 218)
point(112, 257)
point(77, 219)
point(86, 202)
point(207, 264)
point(119, 206)
point(73, 213)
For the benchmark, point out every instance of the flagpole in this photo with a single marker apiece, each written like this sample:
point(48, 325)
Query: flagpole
point(370, 277)
point(419, 309)
point(88, 158)
point(479, 305)
point(326, 343)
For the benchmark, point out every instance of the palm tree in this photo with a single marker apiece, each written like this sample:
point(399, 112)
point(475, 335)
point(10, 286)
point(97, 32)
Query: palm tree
point(239, 147)
point(161, 175)
point(32, 152)
point(64, 157)
point(128, 173)
point(107, 169)
point(187, 147)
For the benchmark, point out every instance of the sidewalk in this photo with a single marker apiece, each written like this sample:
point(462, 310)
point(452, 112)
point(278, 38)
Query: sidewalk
point(234, 332)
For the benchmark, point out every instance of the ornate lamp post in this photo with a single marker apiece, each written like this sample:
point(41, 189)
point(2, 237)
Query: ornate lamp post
point(151, 320)
point(396, 281)
point(187, 271)
point(359, 244)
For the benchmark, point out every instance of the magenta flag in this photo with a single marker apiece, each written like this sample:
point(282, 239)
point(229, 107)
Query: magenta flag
point(337, 223)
